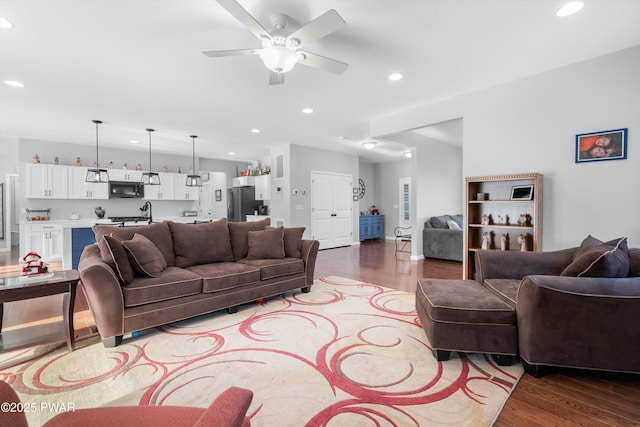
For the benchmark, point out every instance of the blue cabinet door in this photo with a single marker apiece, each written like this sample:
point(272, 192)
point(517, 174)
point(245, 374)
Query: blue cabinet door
point(80, 237)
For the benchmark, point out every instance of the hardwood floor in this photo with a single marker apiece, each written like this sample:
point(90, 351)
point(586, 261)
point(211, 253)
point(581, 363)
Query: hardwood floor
point(563, 397)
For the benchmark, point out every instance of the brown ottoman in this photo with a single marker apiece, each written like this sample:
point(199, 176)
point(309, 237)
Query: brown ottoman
point(462, 315)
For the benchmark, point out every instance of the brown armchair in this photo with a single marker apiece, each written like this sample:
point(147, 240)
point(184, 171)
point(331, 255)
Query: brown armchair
point(227, 410)
point(581, 322)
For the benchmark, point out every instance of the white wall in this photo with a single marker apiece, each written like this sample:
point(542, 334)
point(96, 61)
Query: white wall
point(529, 125)
point(387, 191)
point(438, 186)
point(301, 161)
point(367, 174)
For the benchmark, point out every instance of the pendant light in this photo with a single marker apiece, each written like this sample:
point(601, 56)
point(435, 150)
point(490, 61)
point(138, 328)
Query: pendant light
point(149, 177)
point(193, 180)
point(96, 174)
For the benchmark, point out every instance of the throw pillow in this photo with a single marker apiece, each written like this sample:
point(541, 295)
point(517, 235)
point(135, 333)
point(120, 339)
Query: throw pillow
point(266, 244)
point(158, 233)
point(120, 257)
point(587, 244)
point(239, 237)
point(145, 256)
point(453, 225)
point(196, 244)
point(292, 241)
point(610, 259)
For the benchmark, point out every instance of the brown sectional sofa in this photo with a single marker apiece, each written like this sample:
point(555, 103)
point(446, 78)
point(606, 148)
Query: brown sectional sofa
point(140, 277)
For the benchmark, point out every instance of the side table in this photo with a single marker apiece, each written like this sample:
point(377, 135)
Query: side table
point(27, 287)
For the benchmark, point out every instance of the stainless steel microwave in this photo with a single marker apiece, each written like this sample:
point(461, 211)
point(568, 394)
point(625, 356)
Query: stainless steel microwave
point(125, 190)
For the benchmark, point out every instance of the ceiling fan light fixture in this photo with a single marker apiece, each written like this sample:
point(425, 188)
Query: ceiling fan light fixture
point(279, 59)
point(97, 175)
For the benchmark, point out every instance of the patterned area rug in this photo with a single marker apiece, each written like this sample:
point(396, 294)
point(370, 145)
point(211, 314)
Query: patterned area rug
point(346, 354)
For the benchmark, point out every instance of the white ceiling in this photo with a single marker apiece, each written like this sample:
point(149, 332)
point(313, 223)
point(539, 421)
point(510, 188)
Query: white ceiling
point(138, 63)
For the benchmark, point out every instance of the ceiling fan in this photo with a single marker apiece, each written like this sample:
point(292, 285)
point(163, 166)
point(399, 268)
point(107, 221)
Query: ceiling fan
point(280, 50)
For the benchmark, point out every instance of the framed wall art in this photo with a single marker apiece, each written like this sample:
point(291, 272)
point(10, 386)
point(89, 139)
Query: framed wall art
point(604, 145)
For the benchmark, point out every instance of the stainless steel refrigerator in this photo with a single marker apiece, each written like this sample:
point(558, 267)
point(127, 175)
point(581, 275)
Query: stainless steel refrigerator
point(241, 201)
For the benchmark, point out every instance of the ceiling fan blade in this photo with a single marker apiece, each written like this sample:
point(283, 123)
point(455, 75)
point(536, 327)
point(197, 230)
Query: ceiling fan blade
point(322, 26)
point(276, 78)
point(323, 63)
point(217, 53)
point(234, 8)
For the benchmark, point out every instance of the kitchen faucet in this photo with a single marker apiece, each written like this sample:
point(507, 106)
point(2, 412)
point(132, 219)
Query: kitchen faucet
point(146, 211)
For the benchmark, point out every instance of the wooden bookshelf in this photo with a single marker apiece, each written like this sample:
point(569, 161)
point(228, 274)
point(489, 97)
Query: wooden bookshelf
point(502, 212)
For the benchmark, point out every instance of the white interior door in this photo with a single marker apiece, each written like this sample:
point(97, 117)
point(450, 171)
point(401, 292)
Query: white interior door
point(331, 209)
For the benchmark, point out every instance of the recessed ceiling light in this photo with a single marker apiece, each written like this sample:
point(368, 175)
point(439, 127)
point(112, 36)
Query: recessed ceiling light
point(13, 83)
point(255, 130)
point(408, 154)
point(133, 141)
point(570, 8)
point(369, 145)
point(231, 153)
point(5, 24)
point(307, 110)
point(395, 77)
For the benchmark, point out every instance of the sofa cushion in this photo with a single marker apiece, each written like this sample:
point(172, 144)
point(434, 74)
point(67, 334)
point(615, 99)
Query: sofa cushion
point(120, 258)
point(272, 268)
point(158, 233)
point(222, 276)
point(172, 283)
point(238, 233)
point(293, 241)
point(266, 244)
point(610, 259)
point(507, 289)
point(145, 257)
point(201, 243)
point(439, 221)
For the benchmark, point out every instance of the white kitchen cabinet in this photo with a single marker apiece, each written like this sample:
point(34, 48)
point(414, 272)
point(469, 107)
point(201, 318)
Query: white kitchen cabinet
point(124, 175)
point(182, 192)
point(78, 188)
point(263, 187)
point(165, 191)
point(46, 240)
point(243, 181)
point(46, 181)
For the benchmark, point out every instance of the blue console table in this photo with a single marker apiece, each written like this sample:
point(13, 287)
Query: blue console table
point(371, 227)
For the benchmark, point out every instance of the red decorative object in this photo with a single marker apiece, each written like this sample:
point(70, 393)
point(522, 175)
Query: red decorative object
point(32, 264)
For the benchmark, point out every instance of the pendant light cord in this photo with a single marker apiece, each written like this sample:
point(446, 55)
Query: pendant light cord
point(193, 154)
point(149, 130)
point(97, 122)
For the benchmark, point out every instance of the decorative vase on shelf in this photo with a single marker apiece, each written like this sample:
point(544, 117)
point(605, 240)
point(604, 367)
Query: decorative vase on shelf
point(99, 211)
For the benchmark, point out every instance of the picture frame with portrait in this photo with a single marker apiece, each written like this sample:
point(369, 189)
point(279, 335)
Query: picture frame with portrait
point(603, 145)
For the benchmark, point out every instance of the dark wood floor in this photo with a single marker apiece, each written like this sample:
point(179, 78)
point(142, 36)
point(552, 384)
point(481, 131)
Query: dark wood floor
point(563, 397)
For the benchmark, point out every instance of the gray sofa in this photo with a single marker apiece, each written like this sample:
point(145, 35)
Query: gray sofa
point(441, 242)
point(140, 277)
